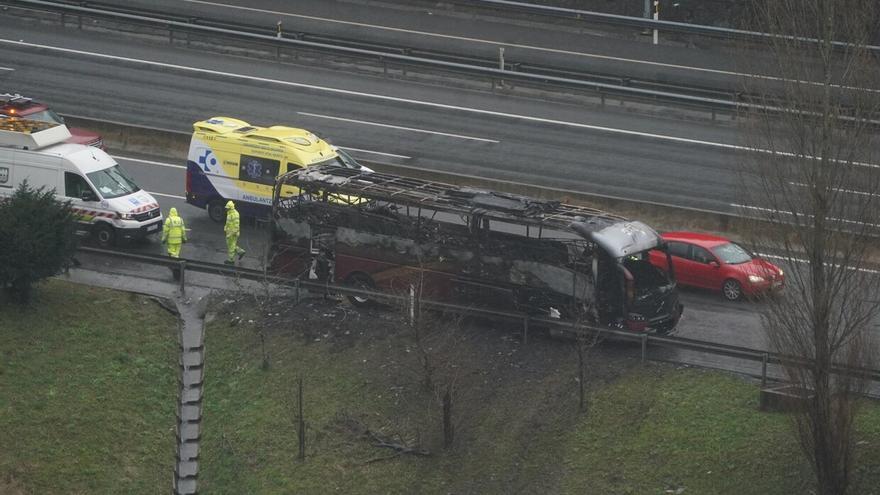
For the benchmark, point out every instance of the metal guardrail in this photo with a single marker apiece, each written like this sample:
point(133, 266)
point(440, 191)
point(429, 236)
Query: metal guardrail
point(523, 73)
point(749, 354)
point(638, 22)
point(208, 27)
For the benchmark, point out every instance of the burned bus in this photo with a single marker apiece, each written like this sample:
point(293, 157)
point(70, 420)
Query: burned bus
point(471, 247)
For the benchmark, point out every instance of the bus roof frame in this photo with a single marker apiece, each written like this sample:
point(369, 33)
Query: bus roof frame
point(616, 234)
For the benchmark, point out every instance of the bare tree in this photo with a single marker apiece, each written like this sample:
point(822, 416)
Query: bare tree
point(437, 339)
point(584, 342)
point(812, 180)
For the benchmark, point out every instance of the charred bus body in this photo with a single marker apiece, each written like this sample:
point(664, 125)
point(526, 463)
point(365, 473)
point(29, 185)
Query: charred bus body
point(470, 246)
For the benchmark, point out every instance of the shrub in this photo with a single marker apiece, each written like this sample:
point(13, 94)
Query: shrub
point(37, 239)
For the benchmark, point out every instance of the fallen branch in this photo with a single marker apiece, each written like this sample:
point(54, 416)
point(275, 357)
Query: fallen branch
point(399, 447)
point(378, 459)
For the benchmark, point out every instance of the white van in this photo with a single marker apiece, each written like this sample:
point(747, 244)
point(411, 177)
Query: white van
point(108, 203)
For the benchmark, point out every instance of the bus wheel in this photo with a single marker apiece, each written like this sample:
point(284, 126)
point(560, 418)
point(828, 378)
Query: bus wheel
point(104, 235)
point(360, 281)
point(217, 210)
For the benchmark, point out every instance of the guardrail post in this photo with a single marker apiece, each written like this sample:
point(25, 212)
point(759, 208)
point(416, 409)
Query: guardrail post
point(182, 271)
point(500, 65)
point(764, 359)
point(278, 35)
point(656, 17)
point(644, 347)
point(296, 291)
point(526, 330)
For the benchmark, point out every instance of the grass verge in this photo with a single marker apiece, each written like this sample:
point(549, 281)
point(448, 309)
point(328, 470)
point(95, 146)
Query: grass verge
point(650, 429)
point(87, 393)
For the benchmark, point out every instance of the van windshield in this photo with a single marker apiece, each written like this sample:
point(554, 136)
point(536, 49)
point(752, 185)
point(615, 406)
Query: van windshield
point(46, 116)
point(342, 160)
point(112, 182)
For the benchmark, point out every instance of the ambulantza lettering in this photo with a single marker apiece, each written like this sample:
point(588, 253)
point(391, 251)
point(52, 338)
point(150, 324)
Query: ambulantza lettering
point(256, 199)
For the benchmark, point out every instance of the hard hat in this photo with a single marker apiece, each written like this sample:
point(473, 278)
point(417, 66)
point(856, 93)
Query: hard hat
point(230, 205)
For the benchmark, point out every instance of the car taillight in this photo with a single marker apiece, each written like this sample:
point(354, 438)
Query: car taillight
point(188, 181)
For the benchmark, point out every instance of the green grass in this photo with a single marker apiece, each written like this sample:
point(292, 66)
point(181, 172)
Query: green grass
point(651, 432)
point(87, 393)
point(650, 429)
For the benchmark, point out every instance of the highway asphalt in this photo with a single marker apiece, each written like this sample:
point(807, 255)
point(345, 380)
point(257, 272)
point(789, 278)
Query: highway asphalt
point(629, 151)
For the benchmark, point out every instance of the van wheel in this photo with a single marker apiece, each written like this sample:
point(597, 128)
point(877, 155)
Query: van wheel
point(217, 210)
point(360, 281)
point(104, 235)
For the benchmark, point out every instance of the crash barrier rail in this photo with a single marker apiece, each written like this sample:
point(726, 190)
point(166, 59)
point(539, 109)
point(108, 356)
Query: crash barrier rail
point(497, 71)
point(636, 22)
point(528, 321)
point(278, 40)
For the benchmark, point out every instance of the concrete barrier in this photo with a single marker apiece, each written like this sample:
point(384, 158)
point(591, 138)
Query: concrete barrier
point(174, 144)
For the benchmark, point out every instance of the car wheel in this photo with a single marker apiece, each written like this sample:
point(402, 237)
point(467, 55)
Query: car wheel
point(217, 210)
point(360, 281)
point(104, 234)
point(732, 290)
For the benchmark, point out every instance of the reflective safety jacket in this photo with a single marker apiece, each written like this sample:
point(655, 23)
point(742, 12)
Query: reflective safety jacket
point(174, 231)
point(233, 223)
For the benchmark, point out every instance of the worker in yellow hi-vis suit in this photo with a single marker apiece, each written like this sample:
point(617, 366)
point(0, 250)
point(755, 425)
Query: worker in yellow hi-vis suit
point(173, 233)
point(232, 230)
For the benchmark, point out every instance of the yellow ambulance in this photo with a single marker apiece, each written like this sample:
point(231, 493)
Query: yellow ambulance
point(231, 159)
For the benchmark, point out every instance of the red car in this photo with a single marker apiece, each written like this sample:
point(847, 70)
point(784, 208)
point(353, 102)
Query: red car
point(26, 108)
point(712, 262)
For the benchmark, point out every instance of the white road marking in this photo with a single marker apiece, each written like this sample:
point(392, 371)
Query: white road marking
point(798, 260)
point(149, 162)
point(376, 153)
point(412, 129)
point(771, 210)
point(527, 118)
point(167, 195)
point(837, 189)
point(7, 68)
point(498, 43)
point(170, 165)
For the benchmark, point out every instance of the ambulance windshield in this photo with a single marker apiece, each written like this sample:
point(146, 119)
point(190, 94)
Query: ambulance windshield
point(112, 182)
point(343, 159)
